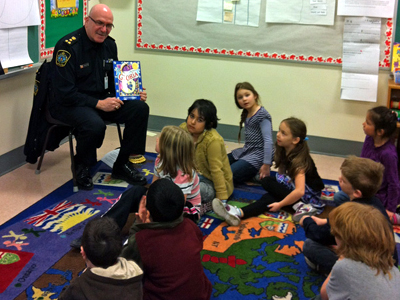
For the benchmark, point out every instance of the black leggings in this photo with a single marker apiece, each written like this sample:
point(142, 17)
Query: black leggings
point(129, 203)
point(275, 193)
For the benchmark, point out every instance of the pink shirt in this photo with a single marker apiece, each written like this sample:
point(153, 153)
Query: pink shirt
point(190, 188)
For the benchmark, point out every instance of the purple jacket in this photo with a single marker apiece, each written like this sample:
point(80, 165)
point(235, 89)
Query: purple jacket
point(389, 193)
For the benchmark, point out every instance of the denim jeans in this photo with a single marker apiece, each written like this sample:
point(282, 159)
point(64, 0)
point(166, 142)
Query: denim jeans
point(242, 170)
point(340, 198)
point(207, 190)
point(320, 255)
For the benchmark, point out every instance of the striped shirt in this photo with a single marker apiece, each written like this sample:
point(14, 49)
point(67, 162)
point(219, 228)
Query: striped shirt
point(190, 188)
point(258, 147)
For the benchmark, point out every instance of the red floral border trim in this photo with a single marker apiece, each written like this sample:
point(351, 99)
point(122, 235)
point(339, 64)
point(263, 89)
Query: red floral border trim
point(48, 52)
point(292, 57)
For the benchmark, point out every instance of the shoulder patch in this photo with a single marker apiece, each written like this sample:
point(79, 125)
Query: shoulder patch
point(62, 58)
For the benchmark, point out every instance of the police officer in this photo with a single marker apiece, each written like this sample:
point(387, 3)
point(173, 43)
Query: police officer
point(84, 89)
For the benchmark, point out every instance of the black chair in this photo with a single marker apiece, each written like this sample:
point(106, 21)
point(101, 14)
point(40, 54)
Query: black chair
point(56, 123)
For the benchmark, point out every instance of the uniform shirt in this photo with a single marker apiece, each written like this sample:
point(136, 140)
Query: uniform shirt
point(80, 69)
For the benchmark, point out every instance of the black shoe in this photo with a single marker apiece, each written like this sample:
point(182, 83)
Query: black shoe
point(83, 178)
point(128, 173)
point(76, 244)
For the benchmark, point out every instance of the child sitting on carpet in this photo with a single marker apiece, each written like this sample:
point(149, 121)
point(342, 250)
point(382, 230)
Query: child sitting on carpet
point(297, 180)
point(255, 157)
point(365, 268)
point(107, 276)
point(380, 126)
point(167, 246)
point(175, 162)
point(360, 179)
point(210, 152)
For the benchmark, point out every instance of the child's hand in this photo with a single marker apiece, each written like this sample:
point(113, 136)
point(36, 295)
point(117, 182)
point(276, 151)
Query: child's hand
point(276, 206)
point(143, 215)
point(264, 171)
point(319, 221)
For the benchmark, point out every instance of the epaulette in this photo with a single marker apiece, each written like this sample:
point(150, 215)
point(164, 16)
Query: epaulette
point(72, 40)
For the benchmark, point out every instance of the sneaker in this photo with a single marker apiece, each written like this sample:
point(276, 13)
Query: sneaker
point(395, 219)
point(137, 159)
point(128, 173)
point(304, 210)
point(83, 178)
point(227, 212)
point(297, 205)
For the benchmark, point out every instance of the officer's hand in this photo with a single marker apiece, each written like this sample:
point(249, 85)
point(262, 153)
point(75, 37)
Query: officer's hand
point(143, 95)
point(109, 104)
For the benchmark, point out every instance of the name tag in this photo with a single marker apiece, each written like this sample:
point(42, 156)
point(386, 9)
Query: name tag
point(106, 81)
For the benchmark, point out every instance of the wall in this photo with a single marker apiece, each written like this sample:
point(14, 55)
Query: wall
point(174, 80)
point(16, 94)
point(310, 92)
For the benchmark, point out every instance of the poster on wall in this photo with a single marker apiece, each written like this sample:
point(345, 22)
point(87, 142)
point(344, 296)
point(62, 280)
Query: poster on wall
point(58, 18)
point(64, 8)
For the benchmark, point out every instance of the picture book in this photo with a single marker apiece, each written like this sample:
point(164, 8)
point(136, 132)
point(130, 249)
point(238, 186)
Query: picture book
point(395, 56)
point(128, 80)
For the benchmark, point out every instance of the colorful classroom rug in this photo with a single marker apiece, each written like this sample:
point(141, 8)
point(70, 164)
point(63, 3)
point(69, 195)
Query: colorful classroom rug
point(36, 239)
point(260, 259)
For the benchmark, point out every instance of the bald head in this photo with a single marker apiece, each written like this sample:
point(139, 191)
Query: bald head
point(99, 23)
point(100, 9)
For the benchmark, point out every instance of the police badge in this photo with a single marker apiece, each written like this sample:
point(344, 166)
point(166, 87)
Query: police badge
point(62, 58)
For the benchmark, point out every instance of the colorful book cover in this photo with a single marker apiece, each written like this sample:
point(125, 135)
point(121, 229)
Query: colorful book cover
point(395, 56)
point(128, 80)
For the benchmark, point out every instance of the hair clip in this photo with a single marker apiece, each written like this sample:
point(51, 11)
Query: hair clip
point(306, 138)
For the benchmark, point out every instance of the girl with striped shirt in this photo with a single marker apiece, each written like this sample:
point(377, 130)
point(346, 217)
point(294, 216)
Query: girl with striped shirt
point(257, 153)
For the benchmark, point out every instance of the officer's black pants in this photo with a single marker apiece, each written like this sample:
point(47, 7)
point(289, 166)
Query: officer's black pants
point(90, 129)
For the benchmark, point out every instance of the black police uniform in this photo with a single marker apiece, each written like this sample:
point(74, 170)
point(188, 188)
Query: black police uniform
point(81, 71)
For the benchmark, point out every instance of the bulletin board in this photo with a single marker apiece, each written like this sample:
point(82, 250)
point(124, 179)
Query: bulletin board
point(172, 26)
point(56, 23)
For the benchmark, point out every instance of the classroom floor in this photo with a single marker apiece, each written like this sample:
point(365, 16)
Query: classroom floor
point(21, 188)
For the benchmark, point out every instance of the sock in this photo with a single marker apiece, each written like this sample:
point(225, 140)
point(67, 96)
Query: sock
point(233, 210)
point(224, 201)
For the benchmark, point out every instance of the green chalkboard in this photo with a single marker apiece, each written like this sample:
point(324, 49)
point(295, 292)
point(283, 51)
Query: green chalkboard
point(42, 38)
point(33, 43)
point(397, 27)
point(56, 28)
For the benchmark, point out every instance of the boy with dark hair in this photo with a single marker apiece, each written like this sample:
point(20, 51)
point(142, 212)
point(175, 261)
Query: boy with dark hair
point(107, 276)
point(167, 246)
point(360, 179)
